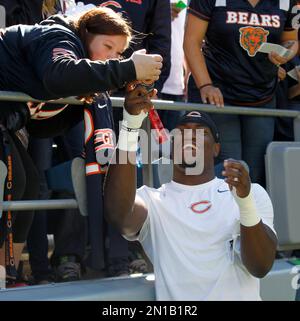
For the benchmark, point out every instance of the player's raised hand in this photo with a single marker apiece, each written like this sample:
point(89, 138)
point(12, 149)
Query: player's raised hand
point(138, 99)
point(237, 175)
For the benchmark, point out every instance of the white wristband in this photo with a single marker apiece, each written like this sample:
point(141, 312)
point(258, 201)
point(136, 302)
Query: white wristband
point(129, 133)
point(133, 121)
point(248, 213)
point(128, 140)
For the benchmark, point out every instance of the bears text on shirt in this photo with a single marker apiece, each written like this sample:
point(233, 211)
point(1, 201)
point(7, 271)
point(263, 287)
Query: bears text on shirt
point(253, 19)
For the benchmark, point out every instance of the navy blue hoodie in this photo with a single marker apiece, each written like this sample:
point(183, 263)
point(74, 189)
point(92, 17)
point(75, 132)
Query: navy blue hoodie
point(25, 11)
point(152, 18)
point(48, 61)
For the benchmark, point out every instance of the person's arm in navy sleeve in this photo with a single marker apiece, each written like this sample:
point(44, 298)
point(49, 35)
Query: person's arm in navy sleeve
point(22, 12)
point(57, 125)
point(64, 73)
point(159, 40)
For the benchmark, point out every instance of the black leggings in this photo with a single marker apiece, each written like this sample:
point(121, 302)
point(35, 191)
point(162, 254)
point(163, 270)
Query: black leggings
point(25, 181)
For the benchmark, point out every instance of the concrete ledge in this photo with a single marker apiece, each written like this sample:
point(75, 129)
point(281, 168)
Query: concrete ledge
point(109, 289)
point(276, 286)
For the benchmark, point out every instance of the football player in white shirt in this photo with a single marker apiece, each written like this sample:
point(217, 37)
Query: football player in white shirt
point(208, 238)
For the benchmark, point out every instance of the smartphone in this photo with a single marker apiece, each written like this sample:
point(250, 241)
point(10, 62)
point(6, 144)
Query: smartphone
point(148, 87)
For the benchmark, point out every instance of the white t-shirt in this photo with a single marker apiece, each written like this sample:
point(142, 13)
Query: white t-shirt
point(191, 235)
point(174, 84)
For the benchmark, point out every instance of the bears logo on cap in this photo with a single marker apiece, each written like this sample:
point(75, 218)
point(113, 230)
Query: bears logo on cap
point(194, 114)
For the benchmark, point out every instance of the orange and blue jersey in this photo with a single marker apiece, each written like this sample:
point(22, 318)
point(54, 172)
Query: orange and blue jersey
point(235, 32)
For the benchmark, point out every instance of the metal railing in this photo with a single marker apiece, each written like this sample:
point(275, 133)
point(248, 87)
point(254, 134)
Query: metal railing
point(40, 205)
point(159, 104)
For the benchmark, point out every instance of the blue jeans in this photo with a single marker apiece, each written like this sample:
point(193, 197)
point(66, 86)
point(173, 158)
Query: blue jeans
point(242, 137)
point(37, 241)
point(284, 126)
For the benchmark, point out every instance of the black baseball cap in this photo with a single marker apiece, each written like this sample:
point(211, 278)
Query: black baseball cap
point(202, 118)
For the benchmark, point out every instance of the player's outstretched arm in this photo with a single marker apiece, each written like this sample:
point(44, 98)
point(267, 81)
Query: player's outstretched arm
point(121, 207)
point(258, 241)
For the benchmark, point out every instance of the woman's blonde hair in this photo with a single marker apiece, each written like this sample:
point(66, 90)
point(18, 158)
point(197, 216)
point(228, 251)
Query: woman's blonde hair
point(49, 7)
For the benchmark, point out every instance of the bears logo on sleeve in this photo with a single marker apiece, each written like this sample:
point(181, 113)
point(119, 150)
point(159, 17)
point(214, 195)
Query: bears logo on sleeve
point(59, 52)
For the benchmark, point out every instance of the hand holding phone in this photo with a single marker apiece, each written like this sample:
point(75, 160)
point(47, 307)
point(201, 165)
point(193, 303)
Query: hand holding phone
point(176, 8)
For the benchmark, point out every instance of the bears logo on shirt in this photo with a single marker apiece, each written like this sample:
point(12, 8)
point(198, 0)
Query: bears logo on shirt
point(251, 38)
point(111, 4)
point(117, 4)
point(201, 207)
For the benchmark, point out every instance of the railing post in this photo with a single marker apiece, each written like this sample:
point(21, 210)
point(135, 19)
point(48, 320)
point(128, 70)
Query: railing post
point(147, 168)
point(297, 129)
point(3, 173)
point(2, 17)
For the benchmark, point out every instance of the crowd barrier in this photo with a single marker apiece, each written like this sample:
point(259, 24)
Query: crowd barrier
point(278, 198)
